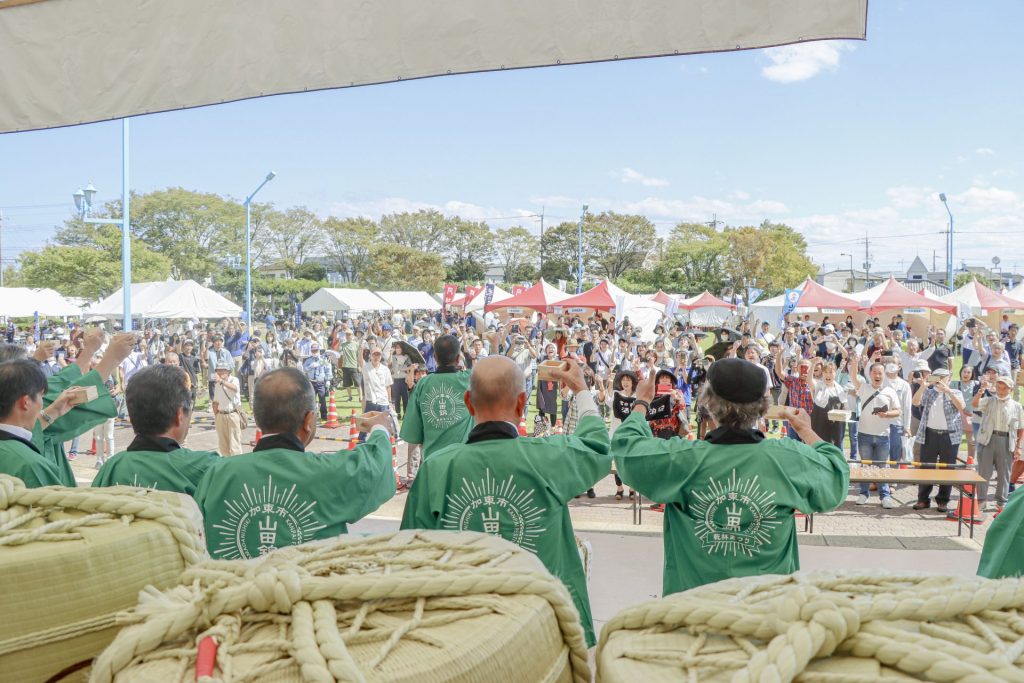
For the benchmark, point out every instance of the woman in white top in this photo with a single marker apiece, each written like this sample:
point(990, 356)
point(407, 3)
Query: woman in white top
point(827, 395)
point(273, 349)
point(620, 400)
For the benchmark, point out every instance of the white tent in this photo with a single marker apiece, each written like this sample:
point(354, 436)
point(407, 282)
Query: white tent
point(410, 301)
point(22, 302)
point(173, 300)
point(238, 49)
point(345, 300)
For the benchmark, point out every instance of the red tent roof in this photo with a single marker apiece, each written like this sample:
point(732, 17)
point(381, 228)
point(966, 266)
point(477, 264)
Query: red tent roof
point(662, 298)
point(819, 296)
point(600, 297)
point(540, 297)
point(704, 300)
point(896, 296)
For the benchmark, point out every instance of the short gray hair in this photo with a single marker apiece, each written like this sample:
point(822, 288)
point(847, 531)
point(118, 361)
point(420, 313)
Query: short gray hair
point(735, 415)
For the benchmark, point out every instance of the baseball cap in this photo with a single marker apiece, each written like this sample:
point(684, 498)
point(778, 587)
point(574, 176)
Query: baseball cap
point(1005, 380)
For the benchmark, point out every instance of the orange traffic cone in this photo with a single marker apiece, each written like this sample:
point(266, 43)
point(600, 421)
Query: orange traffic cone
point(259, 435)
point(522, 426)
point(353, 431)
point(92, 451)
point(332, 415)
point(558, 426)
point(967, 508)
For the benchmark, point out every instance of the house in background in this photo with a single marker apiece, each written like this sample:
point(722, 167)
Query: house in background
point(916, 277)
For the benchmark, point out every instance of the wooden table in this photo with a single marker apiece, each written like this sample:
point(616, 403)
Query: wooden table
point(957, 478)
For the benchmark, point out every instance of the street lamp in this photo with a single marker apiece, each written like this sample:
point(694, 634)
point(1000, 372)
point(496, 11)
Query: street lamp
point(83, 203)
point(248, 249)
point(579, 252)
point(851, 268)
point(949, 245)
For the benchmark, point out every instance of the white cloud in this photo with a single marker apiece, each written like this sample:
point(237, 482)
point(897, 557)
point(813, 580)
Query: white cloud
point(793, 63)
point(741, 195)
point(987, 200)
point(908, 197)
point(985, 151)
point(628, 175)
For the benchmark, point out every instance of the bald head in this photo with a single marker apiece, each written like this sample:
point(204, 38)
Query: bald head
point(282, 400)
point(495, 385)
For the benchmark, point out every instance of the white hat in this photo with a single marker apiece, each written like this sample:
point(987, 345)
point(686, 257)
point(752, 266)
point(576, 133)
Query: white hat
point(892, 368)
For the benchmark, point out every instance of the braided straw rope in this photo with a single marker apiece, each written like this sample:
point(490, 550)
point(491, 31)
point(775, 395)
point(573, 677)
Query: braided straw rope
point(768, 629)
point(323, 598)
point(20, 505)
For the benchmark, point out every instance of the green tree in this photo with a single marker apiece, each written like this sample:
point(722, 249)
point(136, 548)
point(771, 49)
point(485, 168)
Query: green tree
point(470, 248)
point(620, 242)
point(560, 244)
point(293, 235)
point(774, 253)
point(310, 271)
point(398, 267)
point(516, 250)
point(348, 243)
point(961, 279)
point(693, 260)
point(91, 272)
point(423, 230)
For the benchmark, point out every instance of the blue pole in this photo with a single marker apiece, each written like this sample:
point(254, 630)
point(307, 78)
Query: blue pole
point(126, 241)
point(579, 252)
point(248, 265)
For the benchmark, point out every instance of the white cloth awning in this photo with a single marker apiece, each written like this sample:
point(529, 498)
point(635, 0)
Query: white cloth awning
point(344, 300)
point(67, 62)
point(172, 300)
point(22, 302)
point(410, 301)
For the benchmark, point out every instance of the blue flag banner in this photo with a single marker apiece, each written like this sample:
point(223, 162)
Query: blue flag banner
point(789, 304)
point(488, 293)
point(755, 294)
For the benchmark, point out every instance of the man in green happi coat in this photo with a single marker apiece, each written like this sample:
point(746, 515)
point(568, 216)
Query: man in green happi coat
point(516, 487)
point(160, 404)
point(730, 499)
point(22, 385)
point(49, 435)
point(280, 495)
point(1003, 554)
point(436, 416)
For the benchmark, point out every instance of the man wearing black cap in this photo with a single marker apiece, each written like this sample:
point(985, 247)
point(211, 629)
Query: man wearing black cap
point(730, 498)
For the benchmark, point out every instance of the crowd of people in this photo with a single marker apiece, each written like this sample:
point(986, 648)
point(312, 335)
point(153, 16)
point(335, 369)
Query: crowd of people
point(685, 421)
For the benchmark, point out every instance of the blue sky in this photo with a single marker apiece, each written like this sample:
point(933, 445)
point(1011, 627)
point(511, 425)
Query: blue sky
point(837, 139)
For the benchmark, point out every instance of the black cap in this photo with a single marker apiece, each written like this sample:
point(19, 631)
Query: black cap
point(737, 380)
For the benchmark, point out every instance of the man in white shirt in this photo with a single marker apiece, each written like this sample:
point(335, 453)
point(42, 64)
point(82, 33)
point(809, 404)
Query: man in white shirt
point(227, 400)
point(377, 383)
point(900, 427)
point(999, 440)
point(879, 406)
point(135, 361)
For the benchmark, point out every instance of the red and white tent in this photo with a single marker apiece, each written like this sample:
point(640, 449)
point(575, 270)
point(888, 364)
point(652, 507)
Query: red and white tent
point(704, 300)
point(599, 298)
point(981, 300)
point(893, 296)
point(541, 297)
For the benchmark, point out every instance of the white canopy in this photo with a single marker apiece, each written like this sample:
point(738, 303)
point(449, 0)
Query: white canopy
point(22, 302)
point(410, 301)
point(348, 300)
point(173, 299)
point(125, 65)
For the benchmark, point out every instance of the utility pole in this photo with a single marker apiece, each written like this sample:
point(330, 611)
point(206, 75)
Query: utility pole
point(867, 263)
point(1, 248)
point(714, 222)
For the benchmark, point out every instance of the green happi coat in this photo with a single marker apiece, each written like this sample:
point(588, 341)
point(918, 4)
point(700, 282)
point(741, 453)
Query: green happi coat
point(1003, 553)
point(437, 415)
point(22, 459)
point(156, 463)
point(279, 495)
point(729, 499)
point(76, 422)
point(517, 488)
